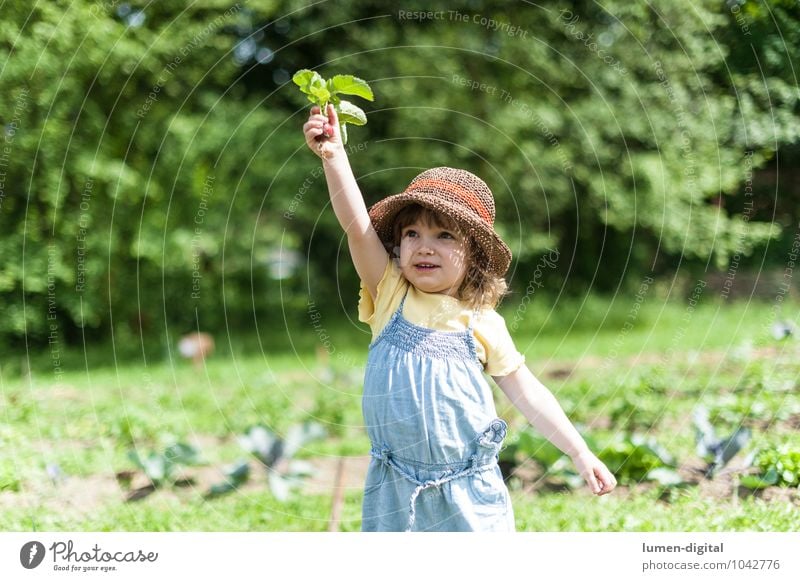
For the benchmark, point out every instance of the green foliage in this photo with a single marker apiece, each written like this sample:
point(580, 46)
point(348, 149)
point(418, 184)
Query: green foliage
point(124, 177)
point(635, 458)
point(525, 445)
point(158, 121)
point(634, 412)
point(779, 466)
point(160, 467)
point(47, 424)
point(284, 473)
point(9, 479)
point(716, 451)
point(235, 476)
point(320, 92)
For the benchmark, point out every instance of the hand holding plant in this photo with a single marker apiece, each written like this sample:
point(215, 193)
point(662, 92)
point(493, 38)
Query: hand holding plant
point(322, 132)
point(324, 121)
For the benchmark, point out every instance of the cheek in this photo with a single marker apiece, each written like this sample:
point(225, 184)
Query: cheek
point(404, 250)
point(458, 258)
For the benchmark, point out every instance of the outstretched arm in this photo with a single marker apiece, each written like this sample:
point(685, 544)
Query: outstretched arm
point(366, 249)
point(542, 410)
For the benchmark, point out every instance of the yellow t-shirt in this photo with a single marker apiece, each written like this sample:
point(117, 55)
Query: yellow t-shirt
point(493, 344)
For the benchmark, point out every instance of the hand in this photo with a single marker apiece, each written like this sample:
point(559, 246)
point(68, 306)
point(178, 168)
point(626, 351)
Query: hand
point(322, 133)
point(595, 473)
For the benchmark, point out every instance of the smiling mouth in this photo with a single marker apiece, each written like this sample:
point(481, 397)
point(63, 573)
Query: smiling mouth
point(425, 266)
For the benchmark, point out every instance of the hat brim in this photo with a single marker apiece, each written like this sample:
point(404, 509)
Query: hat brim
point(497, 252)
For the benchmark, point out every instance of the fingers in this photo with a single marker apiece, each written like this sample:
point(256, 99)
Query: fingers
point(312, 130)
point(315, 125)
point(333, 119)
point(607, 481)
point(330, 114)
point(320, 130)
point(592, 482)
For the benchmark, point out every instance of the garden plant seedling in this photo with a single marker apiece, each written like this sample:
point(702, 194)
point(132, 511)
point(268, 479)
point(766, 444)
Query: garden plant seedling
point(321, 92)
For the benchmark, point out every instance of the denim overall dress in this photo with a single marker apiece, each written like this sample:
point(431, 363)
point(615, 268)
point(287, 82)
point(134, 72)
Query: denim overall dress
point(435, 434)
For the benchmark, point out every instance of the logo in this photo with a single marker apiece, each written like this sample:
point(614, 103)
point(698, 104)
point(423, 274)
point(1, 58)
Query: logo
point(31, 554)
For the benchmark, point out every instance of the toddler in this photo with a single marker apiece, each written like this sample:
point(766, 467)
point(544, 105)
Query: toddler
point(432, 268)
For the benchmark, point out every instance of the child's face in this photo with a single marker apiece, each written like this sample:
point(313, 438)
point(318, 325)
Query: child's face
point(432, 258)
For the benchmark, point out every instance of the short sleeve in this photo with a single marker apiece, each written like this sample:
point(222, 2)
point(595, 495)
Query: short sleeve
point(502, 357)
point(376, 313)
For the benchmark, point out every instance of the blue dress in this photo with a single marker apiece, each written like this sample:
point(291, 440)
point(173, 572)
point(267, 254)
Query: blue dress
point(435, 434)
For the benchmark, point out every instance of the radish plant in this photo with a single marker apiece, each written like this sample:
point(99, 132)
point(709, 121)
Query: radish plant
point(323, 91)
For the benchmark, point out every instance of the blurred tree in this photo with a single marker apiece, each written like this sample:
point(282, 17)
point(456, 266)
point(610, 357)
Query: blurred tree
point(124, 187)
point(154, 171)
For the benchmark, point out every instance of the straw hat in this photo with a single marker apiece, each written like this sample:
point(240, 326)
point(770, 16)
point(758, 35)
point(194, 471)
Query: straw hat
point(456, 193)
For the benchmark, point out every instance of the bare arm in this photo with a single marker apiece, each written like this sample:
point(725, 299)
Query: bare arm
point(366, 249)
point(542, 410)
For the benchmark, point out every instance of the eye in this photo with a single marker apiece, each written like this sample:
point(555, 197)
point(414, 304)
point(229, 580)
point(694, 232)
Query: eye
point(447, 235)
point(410, 233)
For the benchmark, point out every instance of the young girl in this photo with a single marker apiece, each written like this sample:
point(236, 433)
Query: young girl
point(432, 269)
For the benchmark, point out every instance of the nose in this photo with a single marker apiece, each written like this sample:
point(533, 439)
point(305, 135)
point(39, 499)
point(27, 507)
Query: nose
point(425, 248)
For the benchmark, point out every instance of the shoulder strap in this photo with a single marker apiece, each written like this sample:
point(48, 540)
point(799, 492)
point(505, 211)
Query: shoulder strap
point(403, 300)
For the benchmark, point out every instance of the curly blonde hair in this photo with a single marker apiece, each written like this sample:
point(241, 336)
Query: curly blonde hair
point(480, 287)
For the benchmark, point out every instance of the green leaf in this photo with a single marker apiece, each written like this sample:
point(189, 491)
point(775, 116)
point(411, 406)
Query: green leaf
point(756, 481)
point(705, 435)
point(156, 468)
point(304, 77)
point(343, 131)
point(335, 99)
point(321, 94)
point(136, 459)
point(181, 453)
point(350, 85)
point(349, 113)
point(538, 448)
point(730, 446)
point(771, 476)
point(235, 476)
point(311, 83)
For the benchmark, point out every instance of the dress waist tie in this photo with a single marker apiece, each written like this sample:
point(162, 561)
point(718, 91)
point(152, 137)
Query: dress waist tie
point(385, 456)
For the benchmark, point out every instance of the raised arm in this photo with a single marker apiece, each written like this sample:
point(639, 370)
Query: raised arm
point(542, 410)
point(368, 254)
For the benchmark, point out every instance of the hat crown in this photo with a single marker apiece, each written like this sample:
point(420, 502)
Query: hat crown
point(458, 186)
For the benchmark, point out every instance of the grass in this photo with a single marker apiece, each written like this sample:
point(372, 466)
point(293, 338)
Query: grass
point(648, 377)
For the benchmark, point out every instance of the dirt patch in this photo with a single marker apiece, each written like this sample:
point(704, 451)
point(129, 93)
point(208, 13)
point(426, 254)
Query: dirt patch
point(71, 496)
point(323, 480)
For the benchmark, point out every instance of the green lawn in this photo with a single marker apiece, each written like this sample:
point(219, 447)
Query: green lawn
point(62, 443)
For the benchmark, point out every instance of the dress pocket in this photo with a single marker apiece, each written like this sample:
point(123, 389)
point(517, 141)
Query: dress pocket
point(376, 476)
point(488, 489)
